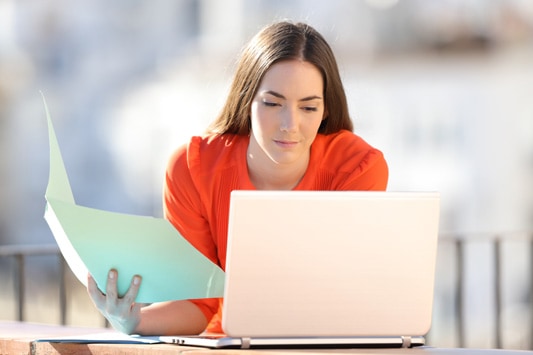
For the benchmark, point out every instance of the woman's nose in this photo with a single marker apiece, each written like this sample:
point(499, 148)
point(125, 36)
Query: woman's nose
point(289, 120)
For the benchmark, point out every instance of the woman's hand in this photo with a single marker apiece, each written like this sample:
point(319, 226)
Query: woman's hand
point(123, 313)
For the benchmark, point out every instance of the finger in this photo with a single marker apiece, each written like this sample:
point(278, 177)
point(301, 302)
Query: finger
point(111, 287)
point(96, 295)
point(132, 292)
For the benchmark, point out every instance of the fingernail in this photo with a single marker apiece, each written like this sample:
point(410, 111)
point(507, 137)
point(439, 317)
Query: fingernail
point(111, 275)
point(136, 280)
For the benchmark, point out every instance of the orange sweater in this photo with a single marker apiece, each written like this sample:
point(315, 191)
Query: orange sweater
point(201, 175)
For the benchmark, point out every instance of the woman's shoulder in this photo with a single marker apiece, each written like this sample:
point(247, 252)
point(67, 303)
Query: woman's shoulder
point(209, 152)
point(342, 141)
point(346, 149)
point(351, 161)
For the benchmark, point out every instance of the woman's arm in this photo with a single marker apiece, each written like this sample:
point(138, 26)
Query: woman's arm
point(171, 318)
point(163, 318)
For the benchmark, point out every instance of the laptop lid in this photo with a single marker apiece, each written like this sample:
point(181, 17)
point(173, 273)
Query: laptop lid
point(330, 264)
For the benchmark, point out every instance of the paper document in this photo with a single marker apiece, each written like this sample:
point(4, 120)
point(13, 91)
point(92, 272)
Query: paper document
point(103, 338)
point(96, 241)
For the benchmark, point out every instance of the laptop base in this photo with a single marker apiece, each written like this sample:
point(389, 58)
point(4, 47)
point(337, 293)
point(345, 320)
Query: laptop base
point(224, 342)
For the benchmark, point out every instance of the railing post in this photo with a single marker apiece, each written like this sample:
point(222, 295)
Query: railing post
point(498, 292)
point(459, 309)
point(19, 285)
point(531, 292)
point(62, 290)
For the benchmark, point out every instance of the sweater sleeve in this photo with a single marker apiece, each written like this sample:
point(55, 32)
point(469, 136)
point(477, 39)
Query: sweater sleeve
point(183, 208)
point(351, 162)
point(372, 173)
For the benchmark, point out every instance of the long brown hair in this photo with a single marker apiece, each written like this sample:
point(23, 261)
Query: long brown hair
point(274, 43)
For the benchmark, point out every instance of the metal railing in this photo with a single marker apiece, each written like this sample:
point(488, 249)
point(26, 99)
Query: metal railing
point(21, 252)
point(460, 244)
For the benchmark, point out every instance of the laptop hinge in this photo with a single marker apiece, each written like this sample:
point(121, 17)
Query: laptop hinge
point(406, 342)
point(245, 343)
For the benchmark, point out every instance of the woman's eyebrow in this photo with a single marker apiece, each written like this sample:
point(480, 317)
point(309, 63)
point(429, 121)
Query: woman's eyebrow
point(278, 95)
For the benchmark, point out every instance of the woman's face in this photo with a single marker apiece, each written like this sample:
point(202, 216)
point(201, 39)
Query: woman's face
point(286, 112)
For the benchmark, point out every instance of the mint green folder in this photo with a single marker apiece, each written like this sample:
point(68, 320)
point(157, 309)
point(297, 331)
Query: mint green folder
point(95, 241)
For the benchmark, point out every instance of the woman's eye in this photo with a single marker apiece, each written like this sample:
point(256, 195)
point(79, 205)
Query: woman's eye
point(310, 109)
point(270, 104)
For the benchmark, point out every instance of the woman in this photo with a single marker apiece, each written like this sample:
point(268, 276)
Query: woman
point(284, 126)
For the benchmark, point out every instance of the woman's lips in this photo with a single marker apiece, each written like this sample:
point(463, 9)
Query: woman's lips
point(285, 143)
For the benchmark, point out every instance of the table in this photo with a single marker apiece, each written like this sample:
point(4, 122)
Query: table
point(19, 338)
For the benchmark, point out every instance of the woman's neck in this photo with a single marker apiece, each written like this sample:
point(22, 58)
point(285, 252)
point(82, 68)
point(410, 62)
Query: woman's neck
point(266, 174)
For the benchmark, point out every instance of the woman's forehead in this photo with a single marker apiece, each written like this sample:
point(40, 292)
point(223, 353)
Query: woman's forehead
point(288, 76)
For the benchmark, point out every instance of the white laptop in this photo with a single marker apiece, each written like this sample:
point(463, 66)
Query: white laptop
point(315, 269)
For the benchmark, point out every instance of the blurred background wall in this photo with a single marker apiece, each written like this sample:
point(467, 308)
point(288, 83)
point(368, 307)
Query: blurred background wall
point(443, 88)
